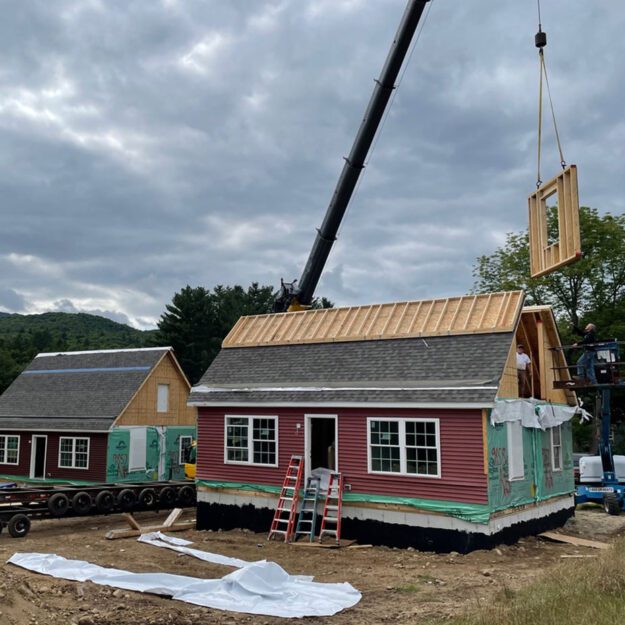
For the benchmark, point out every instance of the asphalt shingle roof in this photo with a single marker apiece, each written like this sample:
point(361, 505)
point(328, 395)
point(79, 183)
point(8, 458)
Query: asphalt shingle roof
point(79, 390)
point(455, 369)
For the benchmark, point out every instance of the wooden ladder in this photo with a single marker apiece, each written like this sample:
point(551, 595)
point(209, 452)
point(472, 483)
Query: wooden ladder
point(307, 519)
point(331, 520)
point(284, 518)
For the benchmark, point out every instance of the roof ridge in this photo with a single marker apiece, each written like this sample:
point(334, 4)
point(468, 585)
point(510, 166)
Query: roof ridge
point(105, 351)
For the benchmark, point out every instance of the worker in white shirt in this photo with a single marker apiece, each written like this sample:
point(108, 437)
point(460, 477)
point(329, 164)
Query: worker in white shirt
point(522, 369)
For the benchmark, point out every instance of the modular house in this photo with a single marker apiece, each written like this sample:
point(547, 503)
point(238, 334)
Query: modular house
point(415, 403)
point(97, 416)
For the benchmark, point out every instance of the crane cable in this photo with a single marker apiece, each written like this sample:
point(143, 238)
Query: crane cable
point(540, 41)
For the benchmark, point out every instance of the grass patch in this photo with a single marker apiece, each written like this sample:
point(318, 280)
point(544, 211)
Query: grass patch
point(572, 593)
point(408, 588)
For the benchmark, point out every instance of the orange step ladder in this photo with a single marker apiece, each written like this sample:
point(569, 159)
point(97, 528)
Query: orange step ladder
point(331, 520)
point(283, 523)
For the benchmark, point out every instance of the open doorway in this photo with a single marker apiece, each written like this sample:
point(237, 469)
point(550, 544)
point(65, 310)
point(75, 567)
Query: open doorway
point(321, 443)
point(38, 457)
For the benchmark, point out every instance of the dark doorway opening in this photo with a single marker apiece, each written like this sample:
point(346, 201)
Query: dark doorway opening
point(39, 468)
point(322, 443)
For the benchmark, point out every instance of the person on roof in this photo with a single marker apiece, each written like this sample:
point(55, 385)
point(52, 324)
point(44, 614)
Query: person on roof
point(523, 362)
point(586, 362)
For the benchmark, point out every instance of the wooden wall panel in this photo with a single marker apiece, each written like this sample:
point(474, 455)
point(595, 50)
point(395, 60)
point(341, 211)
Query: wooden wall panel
point(142, 409)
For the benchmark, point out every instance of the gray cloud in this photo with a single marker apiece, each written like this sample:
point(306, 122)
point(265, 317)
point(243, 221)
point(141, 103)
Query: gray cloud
point(145, 145)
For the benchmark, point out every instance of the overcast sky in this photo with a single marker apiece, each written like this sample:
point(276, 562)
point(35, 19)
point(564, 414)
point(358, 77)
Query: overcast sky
point(150, 144)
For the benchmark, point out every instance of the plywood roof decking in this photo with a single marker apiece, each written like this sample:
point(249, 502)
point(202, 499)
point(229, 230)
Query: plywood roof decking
point(471, 314)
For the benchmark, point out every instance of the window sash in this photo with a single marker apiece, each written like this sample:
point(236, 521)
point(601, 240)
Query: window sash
point(556, 448)
point(516, 466)
point(251, 440)
point(184, 443)
point(404, 446)
point(73, 452)
point(9, 449)
point(162, 398)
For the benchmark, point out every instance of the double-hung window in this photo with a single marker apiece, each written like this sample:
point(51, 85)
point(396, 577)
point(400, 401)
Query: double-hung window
point(9, 449)
point(556, 448)
point(73, 452)
point(404, 446)
point(252, 440)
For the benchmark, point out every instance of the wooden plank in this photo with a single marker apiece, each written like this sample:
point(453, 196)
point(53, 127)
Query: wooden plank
point(480, 324)
point(574, 540)
point(401, 318)
point(415, 316)
point(174, 515)
point(542, 360)
point(131, 521)
point(442, 315)
point(388, 321)
point(470, 314)
point(131, 533)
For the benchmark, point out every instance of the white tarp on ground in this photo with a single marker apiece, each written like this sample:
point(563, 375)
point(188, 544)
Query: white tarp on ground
point(255, 588)
point(534, 413)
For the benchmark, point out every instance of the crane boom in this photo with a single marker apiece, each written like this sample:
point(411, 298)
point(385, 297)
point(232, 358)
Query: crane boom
point(293, 296)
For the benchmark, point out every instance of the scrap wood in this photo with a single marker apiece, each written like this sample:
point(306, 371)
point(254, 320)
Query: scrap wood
point(574, 540)
point(578, 555)
point(168, 524)
point(333, 545)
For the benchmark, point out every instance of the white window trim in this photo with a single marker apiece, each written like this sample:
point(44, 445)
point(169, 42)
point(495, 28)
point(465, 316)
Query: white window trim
point(402, 446)
point(250, 443)
point(553, 456)
point(181, 460)
point(509, 426)
point(6, 448)
point(74, 439)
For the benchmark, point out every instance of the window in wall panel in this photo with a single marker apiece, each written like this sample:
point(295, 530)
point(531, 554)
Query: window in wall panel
point(162, 398)
point(516, 469)
point(73, 452)
point(9, 449)
point(556, 448)
point(251, 440)
point(404, 446)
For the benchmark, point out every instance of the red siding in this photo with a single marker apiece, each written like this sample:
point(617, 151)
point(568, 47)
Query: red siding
point(97, 457)
point(462, 461)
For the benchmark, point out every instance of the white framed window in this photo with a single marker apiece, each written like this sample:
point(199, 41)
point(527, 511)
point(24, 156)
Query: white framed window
point(516, 468)
point(73, 452)
point(556, 448)
point(162, 398)
point(251, 440)
point(137, 453)
point(185, 443)
point(9, 449)
point(404, 446)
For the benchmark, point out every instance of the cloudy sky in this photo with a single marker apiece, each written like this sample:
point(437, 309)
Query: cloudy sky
point(150, 144)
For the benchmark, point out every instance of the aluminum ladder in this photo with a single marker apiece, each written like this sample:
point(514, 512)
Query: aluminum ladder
point(307, 519)
point(284, 518)
point(331, 520)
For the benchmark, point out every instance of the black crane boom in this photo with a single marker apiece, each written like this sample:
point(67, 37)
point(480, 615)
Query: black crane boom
point(293, 295)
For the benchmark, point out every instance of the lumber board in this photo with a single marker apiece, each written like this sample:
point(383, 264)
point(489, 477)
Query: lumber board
point(174, 515)
point(470, 314)
point(131, 521)
point(130, 533)
point(574, 540)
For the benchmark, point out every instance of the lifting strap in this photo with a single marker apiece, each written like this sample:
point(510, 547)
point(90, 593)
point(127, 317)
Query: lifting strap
point(540, 42)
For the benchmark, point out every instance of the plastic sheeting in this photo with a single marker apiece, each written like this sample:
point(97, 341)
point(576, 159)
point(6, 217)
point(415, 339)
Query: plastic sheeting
point(473, 512)
point(534, 413)
point(255, 588)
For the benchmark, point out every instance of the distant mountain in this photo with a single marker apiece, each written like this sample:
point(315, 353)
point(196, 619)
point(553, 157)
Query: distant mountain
point(23, 336)
point(4, 314)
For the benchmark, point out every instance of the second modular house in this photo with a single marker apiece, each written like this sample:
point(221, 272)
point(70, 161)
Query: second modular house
point(415, 403)
point(97, 416)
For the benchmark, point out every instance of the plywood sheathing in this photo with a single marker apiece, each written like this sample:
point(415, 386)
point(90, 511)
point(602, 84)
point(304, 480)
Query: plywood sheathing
point(141, 410)
point(546, 257)
point(471, 314)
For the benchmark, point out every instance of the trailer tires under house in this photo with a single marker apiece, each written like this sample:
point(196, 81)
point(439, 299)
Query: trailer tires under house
point(167, 497)
point(81, 503)
point(147, 497)
point(105, 501)
point(18, 525)
point(126, 499)
point(58, 504)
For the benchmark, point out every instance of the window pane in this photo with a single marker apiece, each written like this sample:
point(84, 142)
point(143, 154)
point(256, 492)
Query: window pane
point(67, 444)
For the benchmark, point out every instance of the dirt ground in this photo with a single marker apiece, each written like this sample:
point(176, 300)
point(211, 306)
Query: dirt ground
point(397, 585)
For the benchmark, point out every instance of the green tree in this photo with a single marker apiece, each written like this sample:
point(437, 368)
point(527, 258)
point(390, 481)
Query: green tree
point(592, 289)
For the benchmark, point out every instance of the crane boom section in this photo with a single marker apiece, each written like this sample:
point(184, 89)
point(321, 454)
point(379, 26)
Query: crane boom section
point(355, 162)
